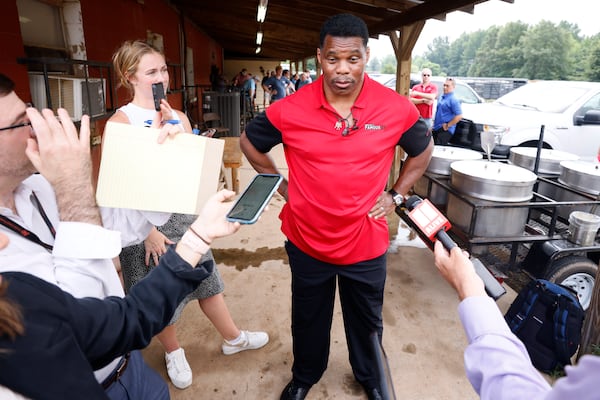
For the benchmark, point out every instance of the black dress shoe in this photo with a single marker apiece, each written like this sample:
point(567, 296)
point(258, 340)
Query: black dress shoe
point(294, 392)
point(374, 394)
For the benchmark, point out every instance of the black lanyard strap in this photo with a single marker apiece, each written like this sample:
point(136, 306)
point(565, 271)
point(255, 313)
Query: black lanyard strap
point(35, 199)
point(26, 233)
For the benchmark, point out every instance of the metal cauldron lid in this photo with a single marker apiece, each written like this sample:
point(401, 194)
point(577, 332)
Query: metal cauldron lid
point(455, 153)
point(545, 154)
point(494, 171)
point(583, 167)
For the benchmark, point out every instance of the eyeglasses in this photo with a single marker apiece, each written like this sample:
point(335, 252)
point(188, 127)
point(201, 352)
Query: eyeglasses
point(16, 126)
point(348, 129)
point(22, 124)
point(426, 74)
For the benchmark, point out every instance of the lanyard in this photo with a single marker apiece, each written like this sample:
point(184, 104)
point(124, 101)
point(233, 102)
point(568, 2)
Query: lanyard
point(26, 233)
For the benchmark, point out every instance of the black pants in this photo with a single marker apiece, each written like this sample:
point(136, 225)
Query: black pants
point(313, 293)
point(441, 137)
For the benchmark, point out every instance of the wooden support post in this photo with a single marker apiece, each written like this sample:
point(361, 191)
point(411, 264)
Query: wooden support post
point(403, 43)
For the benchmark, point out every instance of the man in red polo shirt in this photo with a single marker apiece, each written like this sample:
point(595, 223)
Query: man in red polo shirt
point(423, 96)
point(339, 136)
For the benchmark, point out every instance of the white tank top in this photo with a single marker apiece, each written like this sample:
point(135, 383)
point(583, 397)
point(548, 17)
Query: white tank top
point(139, 116)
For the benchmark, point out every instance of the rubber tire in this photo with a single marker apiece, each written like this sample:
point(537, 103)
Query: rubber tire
point(565, 268)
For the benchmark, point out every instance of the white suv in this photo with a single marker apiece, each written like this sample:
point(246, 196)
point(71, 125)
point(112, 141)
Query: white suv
point(568, 110)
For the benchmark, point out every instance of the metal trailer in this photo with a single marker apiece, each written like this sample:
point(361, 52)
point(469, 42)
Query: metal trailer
point(542, 250)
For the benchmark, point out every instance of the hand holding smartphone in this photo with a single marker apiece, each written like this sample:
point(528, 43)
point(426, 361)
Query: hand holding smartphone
point(254, 199)
point(158, 92)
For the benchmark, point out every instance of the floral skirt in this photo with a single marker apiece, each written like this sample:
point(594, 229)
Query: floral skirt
point(134, 267)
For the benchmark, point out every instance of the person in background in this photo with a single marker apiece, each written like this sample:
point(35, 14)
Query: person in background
point(266, 90)
point(290, 88)
point(339, 136)
point(239, 80)
point(294, 79)
point(138, 65)
point(54, 224)
point(423, 96)
point(50, 341)
point(249, 93)
point(308, 77)
point(448, 113)
point(496, 361)
point(303, 80)
point(277, 85)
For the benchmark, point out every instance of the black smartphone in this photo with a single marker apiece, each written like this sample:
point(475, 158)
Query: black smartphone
point(254, 199)
point(158, 92)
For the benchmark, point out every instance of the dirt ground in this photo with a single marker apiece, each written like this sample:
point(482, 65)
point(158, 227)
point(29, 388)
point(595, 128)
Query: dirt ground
point(423, 337)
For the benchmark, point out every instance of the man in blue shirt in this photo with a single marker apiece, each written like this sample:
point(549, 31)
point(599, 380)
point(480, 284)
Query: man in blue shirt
point(249, 94)
point(447, 115)
point(278, 84)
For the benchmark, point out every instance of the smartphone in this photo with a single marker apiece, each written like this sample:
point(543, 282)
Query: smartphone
point(254, 199)
point(158, 92)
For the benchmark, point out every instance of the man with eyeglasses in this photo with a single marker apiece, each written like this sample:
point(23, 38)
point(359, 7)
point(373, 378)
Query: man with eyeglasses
point(55, 228)
point(448, 113)
point(423, 96)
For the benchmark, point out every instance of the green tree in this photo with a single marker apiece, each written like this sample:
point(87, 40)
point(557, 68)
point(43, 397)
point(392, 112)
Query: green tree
point(501, 52)
point(592, 72)
point(374, 65)
point(388, 64)
point(546, 50)
point(437, 51)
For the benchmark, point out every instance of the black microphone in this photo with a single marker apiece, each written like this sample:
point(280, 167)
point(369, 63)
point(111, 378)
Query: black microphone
point(430, 224)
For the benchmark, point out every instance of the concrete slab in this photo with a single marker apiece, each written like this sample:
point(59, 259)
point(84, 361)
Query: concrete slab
point(423, 337)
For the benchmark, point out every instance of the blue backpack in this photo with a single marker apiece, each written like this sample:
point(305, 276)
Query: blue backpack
point(548, 318)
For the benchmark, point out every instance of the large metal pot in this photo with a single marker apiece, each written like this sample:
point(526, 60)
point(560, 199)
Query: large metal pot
point(493, 181)
point(439, 166)
point(583, 177)
point(487, 184)
point(443, 156)
point(549, 163)
point(490, 222)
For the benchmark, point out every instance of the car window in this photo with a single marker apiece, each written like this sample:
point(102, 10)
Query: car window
point(591, 104)
point(463, 92)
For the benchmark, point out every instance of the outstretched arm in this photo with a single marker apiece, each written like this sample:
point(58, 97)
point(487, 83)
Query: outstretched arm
point(114, 326)
point(496, 361)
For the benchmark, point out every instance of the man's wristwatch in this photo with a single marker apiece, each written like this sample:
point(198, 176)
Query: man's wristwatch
point(397, 197)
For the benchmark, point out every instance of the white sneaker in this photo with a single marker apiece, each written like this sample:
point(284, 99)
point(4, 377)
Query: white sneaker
point(249, 341)
point(178, 369)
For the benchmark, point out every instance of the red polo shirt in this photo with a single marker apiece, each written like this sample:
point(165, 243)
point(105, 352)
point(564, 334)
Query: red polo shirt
point(426, 110)
point(334, 180)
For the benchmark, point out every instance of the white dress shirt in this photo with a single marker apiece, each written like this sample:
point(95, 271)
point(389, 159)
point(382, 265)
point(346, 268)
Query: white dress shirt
point(81, 260)
point(498, 365)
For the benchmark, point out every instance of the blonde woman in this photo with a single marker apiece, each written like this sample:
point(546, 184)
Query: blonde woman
point(138, 65)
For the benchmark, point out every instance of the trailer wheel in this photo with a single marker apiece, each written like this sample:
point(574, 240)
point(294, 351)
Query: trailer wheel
point(578, 273)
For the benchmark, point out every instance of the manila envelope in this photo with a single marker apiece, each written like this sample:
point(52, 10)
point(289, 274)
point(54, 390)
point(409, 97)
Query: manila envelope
point(177, 176)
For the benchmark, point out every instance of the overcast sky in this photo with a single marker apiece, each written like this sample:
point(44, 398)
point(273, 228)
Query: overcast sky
point(496, 12)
